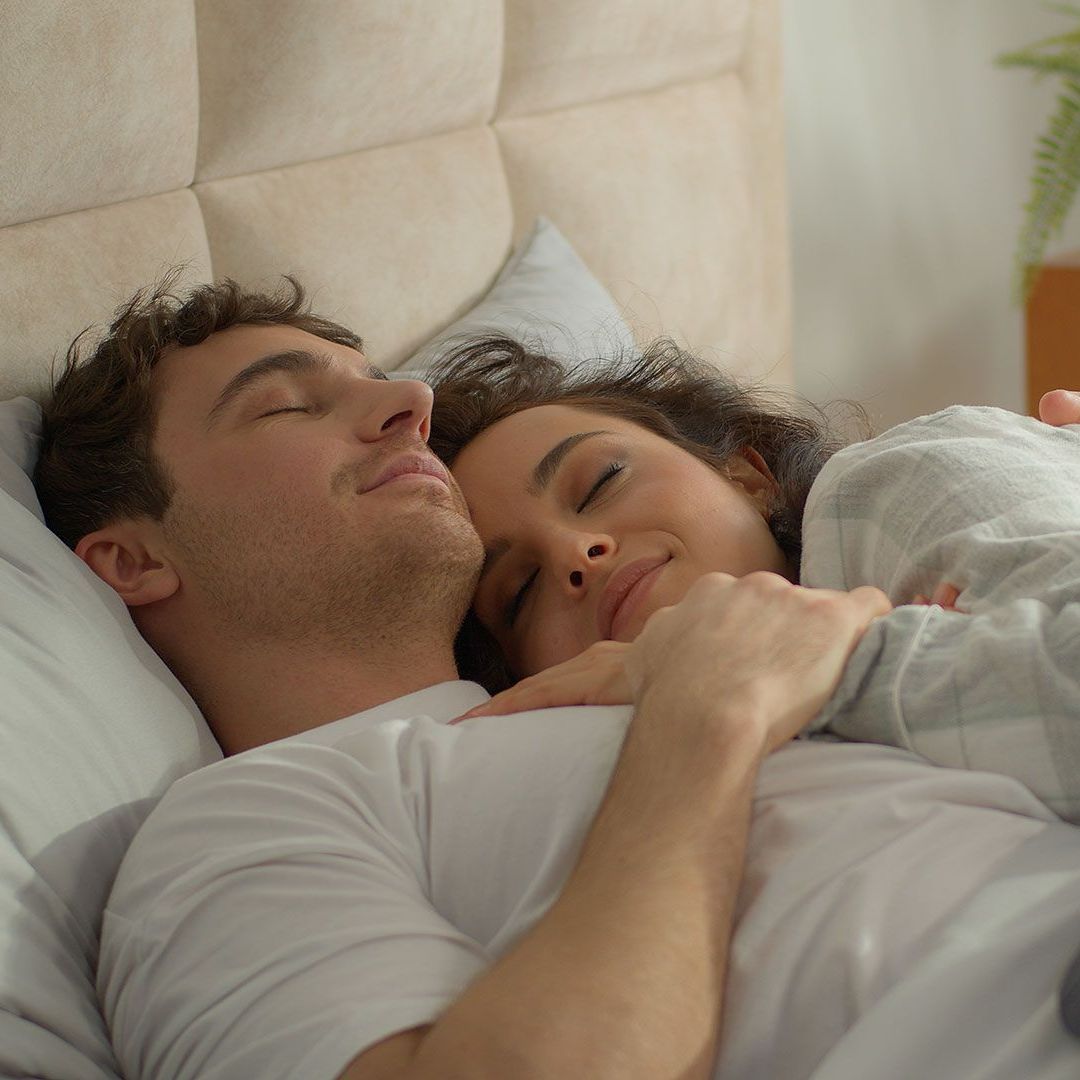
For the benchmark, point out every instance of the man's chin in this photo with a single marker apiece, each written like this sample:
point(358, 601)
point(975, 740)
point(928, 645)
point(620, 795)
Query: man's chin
point(440, 535)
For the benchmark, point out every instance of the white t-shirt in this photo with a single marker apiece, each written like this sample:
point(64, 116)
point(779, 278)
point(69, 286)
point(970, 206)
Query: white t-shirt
point(286, 908)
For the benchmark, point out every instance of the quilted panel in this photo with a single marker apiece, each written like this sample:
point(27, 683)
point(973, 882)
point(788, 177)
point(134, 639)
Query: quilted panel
point(288, 82)
point(98, 103)
point(564, 52)
point(61, 274)
point(394, 242)
point(623, 180)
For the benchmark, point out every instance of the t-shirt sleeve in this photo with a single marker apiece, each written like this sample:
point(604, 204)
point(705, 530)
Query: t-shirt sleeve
point(273, 919)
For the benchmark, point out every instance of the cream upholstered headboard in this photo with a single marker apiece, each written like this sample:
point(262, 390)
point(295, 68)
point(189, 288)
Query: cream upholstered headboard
point(389, 153)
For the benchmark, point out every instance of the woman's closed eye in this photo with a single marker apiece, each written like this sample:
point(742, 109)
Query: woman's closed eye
point(511, 613)
point(609, 473)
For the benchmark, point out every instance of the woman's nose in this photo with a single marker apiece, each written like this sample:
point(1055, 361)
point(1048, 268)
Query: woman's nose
point(588, 558)
point(395, 407)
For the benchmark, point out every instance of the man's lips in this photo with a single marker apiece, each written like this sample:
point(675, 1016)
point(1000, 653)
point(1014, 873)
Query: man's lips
point(410, 464)
point(625, 589)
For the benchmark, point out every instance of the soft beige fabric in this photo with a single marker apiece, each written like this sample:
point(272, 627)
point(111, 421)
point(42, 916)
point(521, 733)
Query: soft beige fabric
point(770, 290)
point(291, 81)
point(61, 274)
point(564, 52)
point(98, 103)
point(656, 214)
point(389, 152)
point(395, 242)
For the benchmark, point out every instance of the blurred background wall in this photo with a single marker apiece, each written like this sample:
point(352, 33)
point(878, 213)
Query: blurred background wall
point(909, 154)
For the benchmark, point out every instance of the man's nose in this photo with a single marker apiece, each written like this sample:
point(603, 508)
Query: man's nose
point(396, 407)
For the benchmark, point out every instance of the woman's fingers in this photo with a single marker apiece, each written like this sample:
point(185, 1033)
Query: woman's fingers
point(753, 633)
point(597, 676)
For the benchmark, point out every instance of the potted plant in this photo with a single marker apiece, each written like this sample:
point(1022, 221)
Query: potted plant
point(1051, 293)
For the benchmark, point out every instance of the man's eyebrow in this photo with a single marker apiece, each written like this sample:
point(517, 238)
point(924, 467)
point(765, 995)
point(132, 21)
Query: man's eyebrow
point(292, 361)
point(542, 475)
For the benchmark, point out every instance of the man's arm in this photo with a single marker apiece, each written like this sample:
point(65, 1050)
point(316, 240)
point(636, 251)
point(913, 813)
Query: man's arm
point(624, 975)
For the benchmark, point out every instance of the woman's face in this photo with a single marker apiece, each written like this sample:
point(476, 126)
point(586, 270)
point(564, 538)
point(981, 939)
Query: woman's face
point(591, 523)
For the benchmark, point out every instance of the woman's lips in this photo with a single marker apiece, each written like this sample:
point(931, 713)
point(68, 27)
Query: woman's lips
point(624, 592)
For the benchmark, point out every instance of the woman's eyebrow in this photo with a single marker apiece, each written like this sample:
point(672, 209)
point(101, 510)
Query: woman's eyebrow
point(548, 465)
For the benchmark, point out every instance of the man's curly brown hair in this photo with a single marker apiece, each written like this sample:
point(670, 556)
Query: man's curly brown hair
point(97, 463)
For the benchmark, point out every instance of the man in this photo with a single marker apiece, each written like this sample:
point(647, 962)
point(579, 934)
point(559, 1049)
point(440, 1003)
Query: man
point(287, 544)
point(354, 895)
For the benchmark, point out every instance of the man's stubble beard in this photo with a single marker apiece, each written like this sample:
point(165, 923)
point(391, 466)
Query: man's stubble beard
point(267, 577)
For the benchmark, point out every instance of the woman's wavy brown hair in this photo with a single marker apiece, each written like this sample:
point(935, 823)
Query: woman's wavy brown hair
point(663, 388)
point(97, 464)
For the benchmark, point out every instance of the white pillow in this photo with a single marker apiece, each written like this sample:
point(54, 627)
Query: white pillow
point(94, 727)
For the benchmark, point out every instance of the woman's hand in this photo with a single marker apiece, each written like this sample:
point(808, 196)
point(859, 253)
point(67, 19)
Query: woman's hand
point(596, 676)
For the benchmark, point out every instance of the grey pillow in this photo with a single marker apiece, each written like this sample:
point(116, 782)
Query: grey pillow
point(545, 296)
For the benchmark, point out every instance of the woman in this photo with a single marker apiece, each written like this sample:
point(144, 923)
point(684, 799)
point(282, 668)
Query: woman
point(725, 435)
point(604, 495)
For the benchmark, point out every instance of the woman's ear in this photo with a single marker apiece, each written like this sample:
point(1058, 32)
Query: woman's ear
point(748, 469)
point(125, 556)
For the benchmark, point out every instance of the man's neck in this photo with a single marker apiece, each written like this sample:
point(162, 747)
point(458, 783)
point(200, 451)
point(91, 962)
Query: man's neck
point(255, 694)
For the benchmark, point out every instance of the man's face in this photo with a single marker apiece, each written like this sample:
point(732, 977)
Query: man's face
point(307, 502)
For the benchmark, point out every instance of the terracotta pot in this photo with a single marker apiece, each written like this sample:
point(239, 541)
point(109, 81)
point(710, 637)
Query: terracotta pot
point(1052, 323)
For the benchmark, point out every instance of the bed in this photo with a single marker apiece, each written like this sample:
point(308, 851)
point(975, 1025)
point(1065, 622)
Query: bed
point(578, 166)
point(583, 172)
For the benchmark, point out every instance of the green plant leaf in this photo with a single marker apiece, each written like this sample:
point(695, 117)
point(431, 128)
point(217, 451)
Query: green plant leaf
point(1056, 174)
point(1064, 9)
point(1067, 63)
point(1054, 184)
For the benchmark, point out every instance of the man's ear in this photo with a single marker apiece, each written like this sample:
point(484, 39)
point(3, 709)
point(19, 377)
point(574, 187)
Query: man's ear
point(748, 469)
point(126, 557)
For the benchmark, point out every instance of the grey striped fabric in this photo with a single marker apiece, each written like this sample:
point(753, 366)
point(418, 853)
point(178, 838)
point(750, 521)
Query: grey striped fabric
point(988, 501)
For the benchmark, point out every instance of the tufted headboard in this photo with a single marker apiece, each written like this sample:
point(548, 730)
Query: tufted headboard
point(389, 153)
